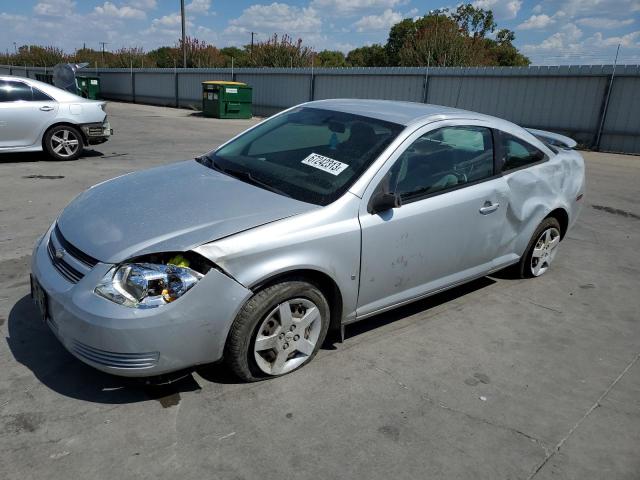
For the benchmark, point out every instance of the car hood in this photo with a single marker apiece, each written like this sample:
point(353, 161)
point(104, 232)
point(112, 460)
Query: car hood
point(172, 208)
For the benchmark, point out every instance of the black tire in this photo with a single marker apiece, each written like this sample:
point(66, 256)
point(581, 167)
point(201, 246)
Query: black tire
point(524, 269)
point(51, 143)
point(239, 349)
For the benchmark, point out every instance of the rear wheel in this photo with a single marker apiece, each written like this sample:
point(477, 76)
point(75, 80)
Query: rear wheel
point(279, 330)
point(542, 249)
point(64, 142)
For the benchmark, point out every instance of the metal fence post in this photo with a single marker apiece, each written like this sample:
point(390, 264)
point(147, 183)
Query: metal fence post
point(312, 87)
point(176, 85)
point(425, 85)
point(133, 86)
point(605, 103)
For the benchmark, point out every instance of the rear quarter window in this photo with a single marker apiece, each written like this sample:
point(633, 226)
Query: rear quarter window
point(517, 153)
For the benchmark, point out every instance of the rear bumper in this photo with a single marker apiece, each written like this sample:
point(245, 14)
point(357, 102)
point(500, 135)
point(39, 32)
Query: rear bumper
point(138, 342)
point(95, 133)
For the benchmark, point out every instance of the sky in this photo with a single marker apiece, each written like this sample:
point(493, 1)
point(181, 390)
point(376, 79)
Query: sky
point(550, 32)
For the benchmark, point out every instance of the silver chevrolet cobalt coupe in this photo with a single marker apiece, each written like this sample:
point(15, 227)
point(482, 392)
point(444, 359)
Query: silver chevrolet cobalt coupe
point(323, 215)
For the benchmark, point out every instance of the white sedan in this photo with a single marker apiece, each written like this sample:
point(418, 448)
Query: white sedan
point(36, 116)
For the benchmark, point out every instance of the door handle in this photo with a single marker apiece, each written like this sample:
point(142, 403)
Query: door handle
point(46, 108)
point(489, 208)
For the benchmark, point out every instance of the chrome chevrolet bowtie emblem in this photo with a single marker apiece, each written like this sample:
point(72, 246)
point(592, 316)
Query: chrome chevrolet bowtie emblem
point(60, 252)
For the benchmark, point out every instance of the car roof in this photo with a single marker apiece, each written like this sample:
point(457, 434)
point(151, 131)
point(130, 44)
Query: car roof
point(403, 113)
point(56, 93)
point(417, 114)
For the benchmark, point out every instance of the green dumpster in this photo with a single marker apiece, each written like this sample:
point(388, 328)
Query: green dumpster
point(45, 77)
point(88, 87)
point(226, 99)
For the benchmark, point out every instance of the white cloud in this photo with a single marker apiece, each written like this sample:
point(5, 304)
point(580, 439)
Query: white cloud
point(144, 4)
point(630, 40)
point(351, 7)
point(54, 8)
point(277, 16)
point(541, 21)
point(109, 9)
point(604, 23)
point(8, 17)
point(598, 7)
point(536, 22)
point(562, 41)
point(199, 6)
point(537, 9)
point(171, 20)
point(502, 9)
point(378, 22)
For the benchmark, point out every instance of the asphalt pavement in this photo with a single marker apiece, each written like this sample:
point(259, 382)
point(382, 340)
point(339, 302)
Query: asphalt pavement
point(498, 379)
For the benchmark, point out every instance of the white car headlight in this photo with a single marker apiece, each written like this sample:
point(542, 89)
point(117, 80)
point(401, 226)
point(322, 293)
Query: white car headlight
point(146, 285)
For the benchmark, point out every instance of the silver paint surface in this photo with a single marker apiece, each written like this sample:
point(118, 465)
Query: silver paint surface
point(171, 208)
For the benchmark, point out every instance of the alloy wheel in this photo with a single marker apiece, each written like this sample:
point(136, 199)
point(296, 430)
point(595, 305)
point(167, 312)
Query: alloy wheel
point(65, 143)
point(287, 336)
point(544, 251)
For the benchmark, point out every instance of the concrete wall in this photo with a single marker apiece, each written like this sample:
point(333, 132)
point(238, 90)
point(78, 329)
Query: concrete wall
point(565, 99)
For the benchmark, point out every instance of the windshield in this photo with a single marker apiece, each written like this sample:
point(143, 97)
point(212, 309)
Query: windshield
point(309, 154)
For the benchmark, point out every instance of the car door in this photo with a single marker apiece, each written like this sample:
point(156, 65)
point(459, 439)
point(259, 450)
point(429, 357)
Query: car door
point(24, 113)
point(448, 228)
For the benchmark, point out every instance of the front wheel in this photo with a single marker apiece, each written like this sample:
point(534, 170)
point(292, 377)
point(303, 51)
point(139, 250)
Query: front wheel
point(279, 330)
point(63, 142)
point(542, 249)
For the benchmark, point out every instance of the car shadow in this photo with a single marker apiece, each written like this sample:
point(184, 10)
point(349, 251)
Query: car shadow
point(32, 157)
point(35, 346)
point(409, 310)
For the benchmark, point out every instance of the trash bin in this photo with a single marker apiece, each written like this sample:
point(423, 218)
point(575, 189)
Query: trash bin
point(88, 87)
point(226, 99)
point(45, 77)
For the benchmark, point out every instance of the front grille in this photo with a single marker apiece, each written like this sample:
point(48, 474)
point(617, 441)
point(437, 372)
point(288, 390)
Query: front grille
point(63, 267)
point(88, 260)
point(113, 359)
point(73, 264)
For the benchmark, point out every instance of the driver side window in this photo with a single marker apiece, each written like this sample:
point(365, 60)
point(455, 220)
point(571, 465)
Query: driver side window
point(442, 160)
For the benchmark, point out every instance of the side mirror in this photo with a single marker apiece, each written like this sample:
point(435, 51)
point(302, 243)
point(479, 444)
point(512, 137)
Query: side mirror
point(382, 201)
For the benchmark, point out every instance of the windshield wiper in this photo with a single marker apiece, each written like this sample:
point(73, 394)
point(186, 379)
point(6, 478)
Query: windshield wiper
point(247, 177)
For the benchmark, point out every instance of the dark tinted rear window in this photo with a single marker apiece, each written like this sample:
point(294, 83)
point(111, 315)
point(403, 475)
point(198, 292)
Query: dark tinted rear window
point(39, 96)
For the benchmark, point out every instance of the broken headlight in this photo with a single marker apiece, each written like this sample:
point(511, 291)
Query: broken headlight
point(146, 285)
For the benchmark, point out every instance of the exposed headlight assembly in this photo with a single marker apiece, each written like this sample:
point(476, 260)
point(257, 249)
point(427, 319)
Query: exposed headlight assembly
point(146, 285)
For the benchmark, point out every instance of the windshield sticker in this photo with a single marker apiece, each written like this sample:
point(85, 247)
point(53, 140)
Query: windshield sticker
point(326, 164)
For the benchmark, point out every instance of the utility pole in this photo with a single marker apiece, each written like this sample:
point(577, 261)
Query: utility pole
point(251, 51)
point(184, 44)
point(102, 54)
point(15, 47)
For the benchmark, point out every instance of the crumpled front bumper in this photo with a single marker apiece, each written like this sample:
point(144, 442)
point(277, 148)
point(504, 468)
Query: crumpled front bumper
point(138, 342)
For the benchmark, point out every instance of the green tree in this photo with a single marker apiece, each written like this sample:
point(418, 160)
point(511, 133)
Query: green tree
point(280, 52)
point(163, 57)
point(331, 58)
point(474, 22)
point(240, 56)
point(370, 56)
point(459, 39)
point(503, 52)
